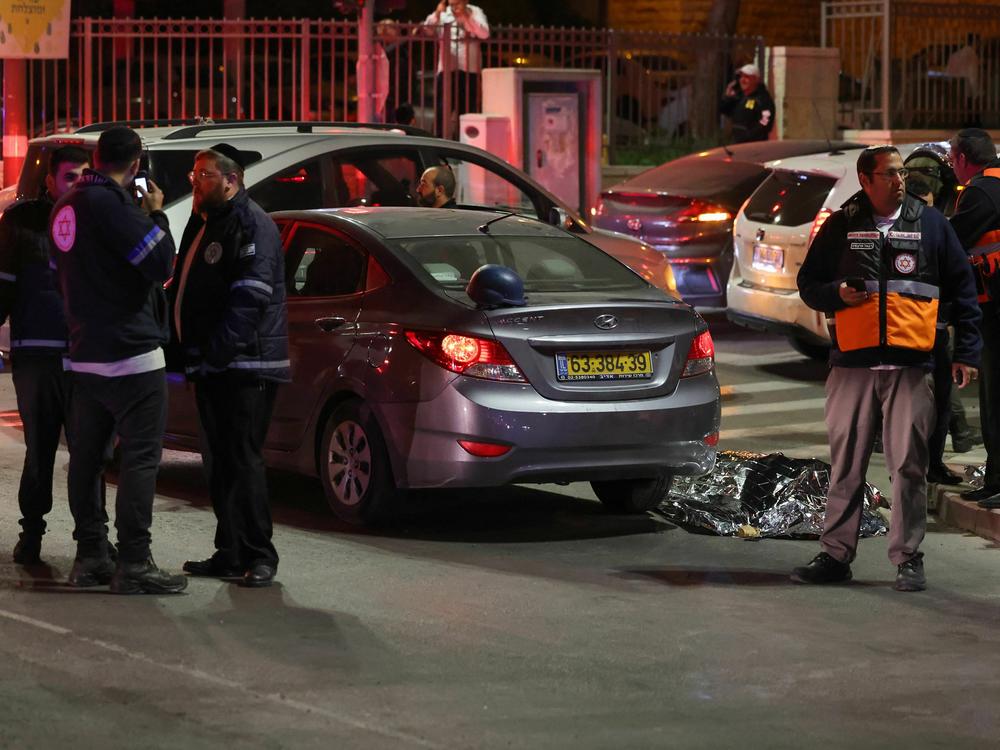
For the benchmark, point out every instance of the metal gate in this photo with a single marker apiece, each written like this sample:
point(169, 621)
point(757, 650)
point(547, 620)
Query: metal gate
point(860, 29)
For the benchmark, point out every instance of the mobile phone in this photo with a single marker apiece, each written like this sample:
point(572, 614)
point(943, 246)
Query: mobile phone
point(141, 181)
point(856, 283)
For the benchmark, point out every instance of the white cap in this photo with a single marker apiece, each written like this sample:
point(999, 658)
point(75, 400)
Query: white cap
point(749, 70)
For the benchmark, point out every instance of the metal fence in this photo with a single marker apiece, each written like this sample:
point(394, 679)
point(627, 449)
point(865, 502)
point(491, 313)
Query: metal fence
point(915, 64)
point(657, 87)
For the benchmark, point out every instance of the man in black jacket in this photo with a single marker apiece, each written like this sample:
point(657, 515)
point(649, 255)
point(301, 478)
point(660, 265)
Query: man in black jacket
point(28, 295)
point(112, 258)
point(880, 267)
point(230, 320)
point(977, 223)
point(751, 108)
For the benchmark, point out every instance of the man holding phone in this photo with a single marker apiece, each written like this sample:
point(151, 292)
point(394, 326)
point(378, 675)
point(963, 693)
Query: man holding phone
point(879, 268)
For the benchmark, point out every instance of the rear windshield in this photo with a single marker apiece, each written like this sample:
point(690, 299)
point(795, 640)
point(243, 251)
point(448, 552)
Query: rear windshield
point(789, 199)
point(546, 264)
point(697, 178)
point(169, 169)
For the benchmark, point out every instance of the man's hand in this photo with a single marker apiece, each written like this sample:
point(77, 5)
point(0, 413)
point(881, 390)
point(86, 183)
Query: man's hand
point(852, 297)
point(731, 89)
point(963, 374)
point(152, 199)
point(442, 7)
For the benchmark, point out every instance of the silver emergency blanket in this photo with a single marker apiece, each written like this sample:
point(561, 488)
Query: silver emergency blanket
point(754, 495)
point(975, 475)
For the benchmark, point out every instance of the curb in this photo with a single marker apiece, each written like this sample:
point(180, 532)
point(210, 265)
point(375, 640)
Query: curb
point(967, 515)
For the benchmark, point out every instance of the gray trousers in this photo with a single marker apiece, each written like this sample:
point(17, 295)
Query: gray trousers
point(853, 398)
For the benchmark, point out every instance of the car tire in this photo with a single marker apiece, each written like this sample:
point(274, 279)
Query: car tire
point(354, 466)
point(819, 352)
point(633, 495)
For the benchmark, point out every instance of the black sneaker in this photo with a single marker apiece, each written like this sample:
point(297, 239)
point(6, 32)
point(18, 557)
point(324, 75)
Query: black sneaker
point(91, 571)
point(823, 569)
point(28, 550)
point(910, 575)
point(145, 578)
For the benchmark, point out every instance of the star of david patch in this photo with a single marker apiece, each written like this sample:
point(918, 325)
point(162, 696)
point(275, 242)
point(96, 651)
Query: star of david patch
point(905, 263)
point(64, 228)
point(213, 253)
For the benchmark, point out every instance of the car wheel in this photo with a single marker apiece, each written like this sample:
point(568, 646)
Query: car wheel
point(354, 466)
point(819, 352)
point(633, 495)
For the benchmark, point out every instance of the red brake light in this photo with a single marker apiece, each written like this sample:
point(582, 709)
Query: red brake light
point(701, 356)
point(484, 450)
point(699, 210)
point(711, 440)
point(467, 355)
point(820, 220)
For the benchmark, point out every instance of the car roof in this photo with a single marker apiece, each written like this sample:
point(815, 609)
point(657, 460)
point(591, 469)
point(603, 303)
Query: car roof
point(835, 164)
point(396, 222)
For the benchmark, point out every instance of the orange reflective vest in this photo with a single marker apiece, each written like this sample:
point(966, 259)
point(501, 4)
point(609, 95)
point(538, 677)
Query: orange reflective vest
point(900, 277)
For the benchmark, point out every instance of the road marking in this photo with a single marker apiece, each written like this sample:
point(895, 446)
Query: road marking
point(764, 386)
point(199, 674)
point(816, 426)
point(737, 410)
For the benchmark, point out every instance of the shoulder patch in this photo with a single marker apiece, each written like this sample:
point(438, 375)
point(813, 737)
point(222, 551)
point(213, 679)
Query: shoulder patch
point(64, 228)
point(248, 250)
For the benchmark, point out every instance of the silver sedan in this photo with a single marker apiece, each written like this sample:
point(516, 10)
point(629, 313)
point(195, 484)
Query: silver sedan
point(401, 380)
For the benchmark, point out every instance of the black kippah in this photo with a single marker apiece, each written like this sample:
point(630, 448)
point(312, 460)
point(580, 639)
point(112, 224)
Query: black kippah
point(230, 153)
point(973, 133)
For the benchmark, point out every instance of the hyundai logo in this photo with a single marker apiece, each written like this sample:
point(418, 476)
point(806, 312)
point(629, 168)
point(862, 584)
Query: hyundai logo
point(606, 322)
point(634, 224)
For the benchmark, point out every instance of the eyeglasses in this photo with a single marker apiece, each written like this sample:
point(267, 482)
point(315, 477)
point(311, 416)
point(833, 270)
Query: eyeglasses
point(893, 174)
point(203, 174)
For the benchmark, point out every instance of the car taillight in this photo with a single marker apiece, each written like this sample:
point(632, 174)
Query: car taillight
point(701, 356)
point(820, 220)
point(467, 355)
point(703, 211)
point(484, 450)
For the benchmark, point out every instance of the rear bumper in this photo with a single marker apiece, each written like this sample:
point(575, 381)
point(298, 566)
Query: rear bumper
point(786, 314)
point(551, 440)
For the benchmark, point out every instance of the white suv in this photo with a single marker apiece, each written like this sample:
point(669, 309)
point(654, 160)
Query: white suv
point(771, 235)
point(330, 165)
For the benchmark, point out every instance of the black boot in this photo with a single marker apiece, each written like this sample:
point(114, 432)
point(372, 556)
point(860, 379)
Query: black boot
point(28, 550)
point(823, 569)
point(145, 578)
point(91, 571)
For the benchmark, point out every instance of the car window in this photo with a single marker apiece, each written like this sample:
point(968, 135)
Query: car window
point(789, 199)
point(480, 185)
point(321, 263)
point(547, 264)
point(375, 179)
point(297, 187)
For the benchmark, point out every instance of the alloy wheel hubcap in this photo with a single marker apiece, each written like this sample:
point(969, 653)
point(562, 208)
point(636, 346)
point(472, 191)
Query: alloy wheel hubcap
point(349, 463)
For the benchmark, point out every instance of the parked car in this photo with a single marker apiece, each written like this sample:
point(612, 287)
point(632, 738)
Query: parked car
point(401, 380)
point(317, 165)
point(685, 208)
point(772, 234)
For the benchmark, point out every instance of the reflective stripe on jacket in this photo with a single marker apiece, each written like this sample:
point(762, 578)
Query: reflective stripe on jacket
point(900, 277)
point(985, 254)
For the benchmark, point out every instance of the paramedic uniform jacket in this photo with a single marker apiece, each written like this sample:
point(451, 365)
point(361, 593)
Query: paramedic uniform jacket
point(111, 260)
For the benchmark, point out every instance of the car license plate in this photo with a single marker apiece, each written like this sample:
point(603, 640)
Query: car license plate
point(604, 366)
point(768, 258)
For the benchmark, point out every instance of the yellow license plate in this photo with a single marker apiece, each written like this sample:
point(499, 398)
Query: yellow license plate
point(604, 366)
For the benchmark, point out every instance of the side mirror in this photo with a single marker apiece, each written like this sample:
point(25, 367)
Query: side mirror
point(560, 217)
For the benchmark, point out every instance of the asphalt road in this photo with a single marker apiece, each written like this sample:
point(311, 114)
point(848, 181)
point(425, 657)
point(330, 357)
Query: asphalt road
point(523, 618)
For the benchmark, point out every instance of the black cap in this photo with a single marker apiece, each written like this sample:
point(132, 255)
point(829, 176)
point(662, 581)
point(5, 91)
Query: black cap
point(118, 146)
point(230, 153)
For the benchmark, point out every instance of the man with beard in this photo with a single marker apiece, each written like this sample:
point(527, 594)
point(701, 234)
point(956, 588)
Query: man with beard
point(880, 267)
point(230, 321)
point(436, 188)
point(28, 295)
